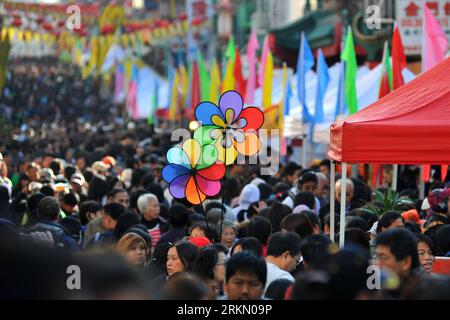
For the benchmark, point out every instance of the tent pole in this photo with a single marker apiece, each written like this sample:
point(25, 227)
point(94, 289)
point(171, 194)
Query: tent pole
point(421, 184)
point(343, 197)
point(304, 141)
point(332, 199)
point(394, 177)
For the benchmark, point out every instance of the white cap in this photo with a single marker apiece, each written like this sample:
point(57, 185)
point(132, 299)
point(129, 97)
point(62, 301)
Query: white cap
point(425, 204)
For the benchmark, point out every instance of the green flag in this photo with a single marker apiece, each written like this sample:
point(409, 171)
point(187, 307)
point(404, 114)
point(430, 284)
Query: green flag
point(154, 104)
point(5, 46)
point(204, 78)
point(231, 50)
point(351, 68)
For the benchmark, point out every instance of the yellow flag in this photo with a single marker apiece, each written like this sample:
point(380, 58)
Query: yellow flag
point(215, 82)
point(174, 97)
point(125, 40)
point(28, 36)
point(93, 61)
point(128, 66)
point(20, 35)
point(102, 51)
point(283, 96)
point(267, 85)
point(4, 33)
point(184, 83)
point(37, 37)
point(229, 82)
point(11, 32)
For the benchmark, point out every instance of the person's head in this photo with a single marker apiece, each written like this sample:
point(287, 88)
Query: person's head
point(119, 195)
point(284, 250)
point(2, 164)
point(260, 228)
point(308, 182)
point(73, 226)
point(134, 248)
point(34, 171)
point(48, 209)
point(148, 205)
point(142, 231)
point(315, 250)
point(443, 241)
point(245, 276)
point(90, 210)
point(112, 213)
point(32, 206)
point(425, 249)
point(229, 233)
point(198, 229)
point(126, 220)
point(209, 268)
point(412, 226)
point(97, 187)
point(275, 213)
point(298, 223)
point(69, 202)
point(178, 216)
point(357, 222)
point(323, 186)
point(315, 220)
point(396, 249)
point(389, 220)
point(305, 198)
point(291, 172)
point(185, 286)
point(56, 166)
point(327, 223)
point(439, 200)
point(180, 257)
point(249, 194)
point(325, 166)
point(69, 171)
point(247, 244)
point(349, 193)
point(357, 236)
point(277, 289)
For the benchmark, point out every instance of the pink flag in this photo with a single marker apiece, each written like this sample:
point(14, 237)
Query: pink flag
point(119, 85)
point(132, 94)
point(251, 61)
point(262, 66)
point(434, 41)
point(434, 48)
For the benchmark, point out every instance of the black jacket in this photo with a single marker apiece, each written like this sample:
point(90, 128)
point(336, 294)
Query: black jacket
point(60, 235)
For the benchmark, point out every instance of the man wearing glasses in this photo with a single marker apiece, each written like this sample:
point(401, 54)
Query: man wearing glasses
point(283, 256)
point(4, 181)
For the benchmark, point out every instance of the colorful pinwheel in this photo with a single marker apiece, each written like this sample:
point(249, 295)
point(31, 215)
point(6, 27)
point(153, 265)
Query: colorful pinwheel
point(229, 126)
point(193, 171)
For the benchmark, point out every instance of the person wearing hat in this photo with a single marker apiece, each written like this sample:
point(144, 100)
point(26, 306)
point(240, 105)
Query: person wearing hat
point(438, 201)
point(4, 180)
point(77, 183)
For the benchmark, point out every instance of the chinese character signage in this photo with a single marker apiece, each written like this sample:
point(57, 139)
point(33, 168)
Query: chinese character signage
point(410, 18)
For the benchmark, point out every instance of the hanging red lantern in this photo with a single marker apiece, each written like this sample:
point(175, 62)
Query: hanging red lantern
point(17, 22)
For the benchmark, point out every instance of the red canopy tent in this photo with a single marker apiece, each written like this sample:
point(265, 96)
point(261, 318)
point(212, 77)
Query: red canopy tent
point(409, 126)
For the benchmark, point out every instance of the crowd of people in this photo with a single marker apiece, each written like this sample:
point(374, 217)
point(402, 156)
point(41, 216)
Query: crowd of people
point(79, 186)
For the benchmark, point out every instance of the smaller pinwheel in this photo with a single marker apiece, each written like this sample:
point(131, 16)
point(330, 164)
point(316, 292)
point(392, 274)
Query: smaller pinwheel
point(229, 126)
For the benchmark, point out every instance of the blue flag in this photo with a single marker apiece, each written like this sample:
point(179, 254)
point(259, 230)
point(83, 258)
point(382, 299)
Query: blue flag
point(287, 99)
point(305, 62)
point(341, 106)
point(323, 78)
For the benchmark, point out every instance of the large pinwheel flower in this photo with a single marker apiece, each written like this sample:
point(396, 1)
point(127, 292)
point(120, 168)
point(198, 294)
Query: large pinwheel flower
point(193, 171)
point(229, 126)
